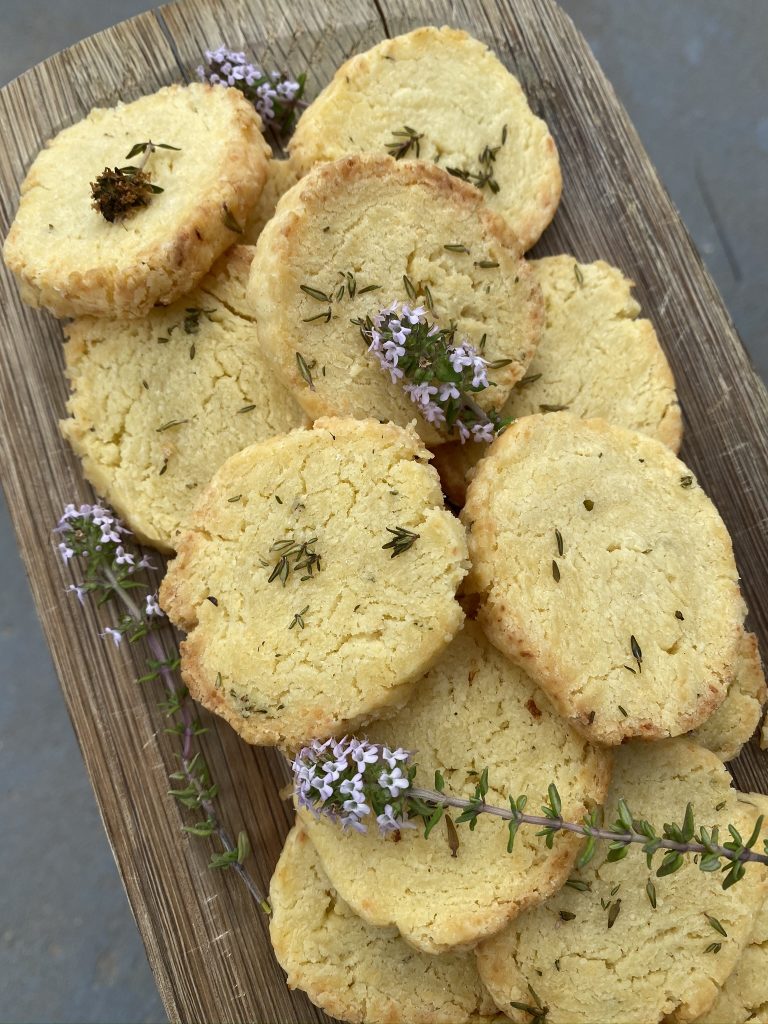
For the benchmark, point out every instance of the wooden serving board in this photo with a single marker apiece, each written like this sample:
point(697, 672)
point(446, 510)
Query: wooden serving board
point(206, 940)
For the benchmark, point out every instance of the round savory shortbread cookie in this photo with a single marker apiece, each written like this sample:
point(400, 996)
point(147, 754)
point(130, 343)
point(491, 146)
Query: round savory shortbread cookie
point(356, 972)
point(442, 96)
point(743, 999)
point(473, 710)
point(734, 722)
point(71, 259)
point(281, 175)
point(159, 403)
point(596, 358)
point(601, 952)
point(317, 581)
point(356, 235)
point(607, 573)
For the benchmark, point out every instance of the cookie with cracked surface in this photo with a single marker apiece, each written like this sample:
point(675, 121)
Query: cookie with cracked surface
point(356, 972)
point(597, 358)
point(281, 175)
point(607, 573)
point(386, 224)
point(743, 999)
point(473, 710)
point(333, 568)
point(69, 258)
point(442, 96)
point(159, 403)
point(605, 954)
point(734, 722)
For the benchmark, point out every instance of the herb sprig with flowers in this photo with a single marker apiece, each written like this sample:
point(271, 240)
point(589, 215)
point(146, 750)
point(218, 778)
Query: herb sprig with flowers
point(351, 780)
point(276, 96)
point(438, 373)
point(95, 540)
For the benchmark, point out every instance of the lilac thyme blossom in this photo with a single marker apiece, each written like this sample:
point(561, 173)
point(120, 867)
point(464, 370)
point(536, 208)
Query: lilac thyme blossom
point(350, 779)
point(275, 95)
point(96, 544)
point(95, 535)
point(438, 374)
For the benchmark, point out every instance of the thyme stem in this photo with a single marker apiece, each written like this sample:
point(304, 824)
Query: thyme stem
point(160, 654)
point(432, 796)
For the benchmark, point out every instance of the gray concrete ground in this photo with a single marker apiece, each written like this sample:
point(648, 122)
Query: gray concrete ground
point(694, 78)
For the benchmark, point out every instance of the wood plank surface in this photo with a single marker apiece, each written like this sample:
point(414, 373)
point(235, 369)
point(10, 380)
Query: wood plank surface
point(206, 940)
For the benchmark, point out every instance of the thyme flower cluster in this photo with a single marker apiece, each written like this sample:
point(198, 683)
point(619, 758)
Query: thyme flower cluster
point(350, 779)
point(96, 535)
point(275, 95)
point(437, 373)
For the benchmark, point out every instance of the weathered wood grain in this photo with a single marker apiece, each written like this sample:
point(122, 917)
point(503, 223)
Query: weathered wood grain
point(205, 939)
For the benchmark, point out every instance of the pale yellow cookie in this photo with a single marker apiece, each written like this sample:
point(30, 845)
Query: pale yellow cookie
point(386, 224)
point(743, 999)
point(602, 954)
point(607, 573)
point(734, 722)
point(473, 710)
point(70, 259)
point(159, 403)
point(596, 358)
point(356, 972)
point(464, 111)
point(281, 175)
point(316, 582)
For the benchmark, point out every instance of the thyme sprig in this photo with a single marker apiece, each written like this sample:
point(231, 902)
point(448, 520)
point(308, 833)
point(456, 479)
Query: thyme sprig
point(276, 96)
point(119, 191)
point(483, 177)
point(439, 373)
point(381, 784)
point(294, 556)
point(401, 541)
point(97, 542)
point(403, 141)
point(345, 284)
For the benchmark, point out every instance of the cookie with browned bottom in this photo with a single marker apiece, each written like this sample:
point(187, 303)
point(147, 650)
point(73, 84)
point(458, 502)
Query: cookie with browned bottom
point(626, 945)
point(357, 972)
point(444, 97)
point(209, 167)
point(316, 581)
point(606, 572)
point(354, 236)
point(473, 710)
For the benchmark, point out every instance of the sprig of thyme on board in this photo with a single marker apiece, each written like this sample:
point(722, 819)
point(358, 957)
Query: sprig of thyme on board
point(350, 780)
point(94, 538)
point(276, 96)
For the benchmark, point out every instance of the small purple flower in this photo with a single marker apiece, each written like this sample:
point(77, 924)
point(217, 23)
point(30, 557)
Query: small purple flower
point(364, 753)
point(65, 551)
point(393, 781)
point(275, 96)
point(153, 608)
point(73, 588)
point(123, 557)
point(483, 432)
point(387, 821)
point(115, 634)
point(395, 757)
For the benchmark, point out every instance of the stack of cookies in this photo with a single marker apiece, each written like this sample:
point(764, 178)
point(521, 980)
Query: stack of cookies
point(579, 623)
